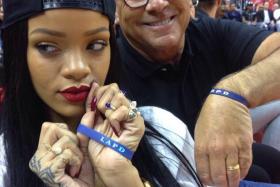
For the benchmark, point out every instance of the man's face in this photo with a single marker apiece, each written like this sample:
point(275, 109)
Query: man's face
point(157, 30)
point(232, 7)
point(266, 5)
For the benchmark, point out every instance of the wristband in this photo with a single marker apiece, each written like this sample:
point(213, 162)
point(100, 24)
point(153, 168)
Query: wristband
point(231, 95)
point(106, 141)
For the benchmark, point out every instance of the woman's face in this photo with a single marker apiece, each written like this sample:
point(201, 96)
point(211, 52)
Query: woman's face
point(68, 49)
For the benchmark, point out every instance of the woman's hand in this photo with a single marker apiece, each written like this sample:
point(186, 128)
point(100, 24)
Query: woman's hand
point(115, 123)
point(59, 161)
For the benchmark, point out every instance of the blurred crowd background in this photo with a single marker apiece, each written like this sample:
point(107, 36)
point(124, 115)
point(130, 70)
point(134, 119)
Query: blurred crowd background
point(259, 13)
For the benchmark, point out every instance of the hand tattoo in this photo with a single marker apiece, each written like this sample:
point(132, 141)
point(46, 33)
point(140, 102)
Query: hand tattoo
point(35, 164)
point(46, 175)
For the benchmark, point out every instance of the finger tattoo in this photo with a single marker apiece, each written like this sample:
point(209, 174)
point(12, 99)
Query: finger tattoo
point(47, 176)
point(35, 164)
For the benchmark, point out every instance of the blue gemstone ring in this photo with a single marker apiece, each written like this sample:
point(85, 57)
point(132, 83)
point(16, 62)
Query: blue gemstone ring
point(110, 106)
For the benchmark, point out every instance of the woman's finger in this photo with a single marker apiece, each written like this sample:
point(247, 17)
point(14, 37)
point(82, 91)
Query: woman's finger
point(67, 157)
point(105, 95)
point(88, 120)
point(66, 143)
point(91, 99)
point(51, 132)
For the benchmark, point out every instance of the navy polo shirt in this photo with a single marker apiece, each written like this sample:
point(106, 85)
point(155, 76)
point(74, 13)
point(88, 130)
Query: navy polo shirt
point(213, 49)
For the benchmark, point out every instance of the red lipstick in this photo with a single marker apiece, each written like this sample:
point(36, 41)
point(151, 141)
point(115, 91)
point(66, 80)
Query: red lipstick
point(75, 94)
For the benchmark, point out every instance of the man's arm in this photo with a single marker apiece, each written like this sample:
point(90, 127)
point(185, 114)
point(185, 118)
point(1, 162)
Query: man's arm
point(260, 82)
point(223, 133)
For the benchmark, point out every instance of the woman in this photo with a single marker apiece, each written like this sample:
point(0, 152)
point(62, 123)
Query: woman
point(57, 53)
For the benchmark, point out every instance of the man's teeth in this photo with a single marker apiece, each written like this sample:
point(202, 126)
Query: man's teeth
point(161, 23)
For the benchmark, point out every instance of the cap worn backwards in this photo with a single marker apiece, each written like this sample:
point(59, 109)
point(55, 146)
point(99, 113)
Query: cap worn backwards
point(17, 10)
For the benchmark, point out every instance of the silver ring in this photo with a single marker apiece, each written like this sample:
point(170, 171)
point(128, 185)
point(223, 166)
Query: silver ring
point(132, 111)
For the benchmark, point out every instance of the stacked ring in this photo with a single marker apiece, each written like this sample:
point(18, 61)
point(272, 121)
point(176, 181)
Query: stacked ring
point(132, 112)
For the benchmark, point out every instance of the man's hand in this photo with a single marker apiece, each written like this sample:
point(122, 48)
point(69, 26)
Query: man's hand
point(223, 141)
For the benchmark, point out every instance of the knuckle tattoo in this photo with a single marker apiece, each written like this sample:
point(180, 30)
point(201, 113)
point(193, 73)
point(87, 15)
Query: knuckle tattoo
point(35, 164)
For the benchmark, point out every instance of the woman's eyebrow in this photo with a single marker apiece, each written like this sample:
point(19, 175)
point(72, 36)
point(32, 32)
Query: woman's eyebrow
point(95, 31)
point(49, 32)
point(61, 34)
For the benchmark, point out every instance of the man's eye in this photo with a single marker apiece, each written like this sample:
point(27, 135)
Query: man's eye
point(47, 48)
point(97, 45)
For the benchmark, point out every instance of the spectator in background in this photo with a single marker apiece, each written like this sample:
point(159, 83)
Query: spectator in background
point(276, 15)
point(249, 15)
point(233, 13)
point(264, 17)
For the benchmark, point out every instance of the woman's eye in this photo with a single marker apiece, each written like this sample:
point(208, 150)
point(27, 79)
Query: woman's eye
point(47, 49)
point(97, 45)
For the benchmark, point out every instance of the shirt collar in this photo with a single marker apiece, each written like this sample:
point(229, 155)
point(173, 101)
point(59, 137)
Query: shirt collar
point(143, 67)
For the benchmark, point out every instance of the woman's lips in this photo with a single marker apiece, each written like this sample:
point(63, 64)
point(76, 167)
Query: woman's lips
point(74, 94)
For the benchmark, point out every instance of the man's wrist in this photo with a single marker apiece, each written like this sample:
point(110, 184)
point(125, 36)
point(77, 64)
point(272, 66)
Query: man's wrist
point(230, 85)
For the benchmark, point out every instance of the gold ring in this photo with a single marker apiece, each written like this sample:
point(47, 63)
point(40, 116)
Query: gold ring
point(232, 168)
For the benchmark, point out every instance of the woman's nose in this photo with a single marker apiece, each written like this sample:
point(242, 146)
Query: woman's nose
point(75, 67)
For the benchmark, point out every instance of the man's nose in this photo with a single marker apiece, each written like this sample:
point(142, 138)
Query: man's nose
point(76, 67)
point(157, 5)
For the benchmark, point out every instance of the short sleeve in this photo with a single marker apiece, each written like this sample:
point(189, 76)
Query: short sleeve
point(230, 44)
point(239, 42)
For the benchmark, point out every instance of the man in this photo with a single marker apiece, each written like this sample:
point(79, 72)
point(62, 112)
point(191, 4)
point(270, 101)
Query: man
point(264, 17)
point(276, 15)
point(173, 63)
point(233, 14)
point(249, 15)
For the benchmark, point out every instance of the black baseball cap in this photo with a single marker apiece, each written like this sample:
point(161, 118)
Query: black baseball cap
point(17, 10)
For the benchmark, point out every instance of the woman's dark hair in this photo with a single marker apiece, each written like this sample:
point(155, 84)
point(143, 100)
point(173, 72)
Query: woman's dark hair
point(24, 112)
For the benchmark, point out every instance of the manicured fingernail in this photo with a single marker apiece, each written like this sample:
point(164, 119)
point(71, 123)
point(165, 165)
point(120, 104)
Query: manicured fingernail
point(115, 131)
point(93, 104)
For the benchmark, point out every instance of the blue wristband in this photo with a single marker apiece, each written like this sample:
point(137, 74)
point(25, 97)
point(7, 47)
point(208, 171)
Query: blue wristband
point(106, 141)
point(230, 95)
